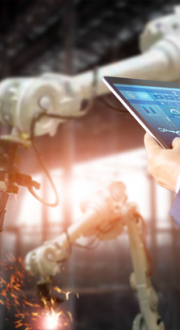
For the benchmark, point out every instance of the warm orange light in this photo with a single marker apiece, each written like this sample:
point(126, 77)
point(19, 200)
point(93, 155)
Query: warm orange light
point(129, 167)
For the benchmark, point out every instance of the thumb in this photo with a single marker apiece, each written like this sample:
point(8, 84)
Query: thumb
point(176, 143)
point(151, 144)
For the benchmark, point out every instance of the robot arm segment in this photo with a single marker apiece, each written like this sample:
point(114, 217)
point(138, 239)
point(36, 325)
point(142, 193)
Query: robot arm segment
point(103, 208)
point(22, 99)
point(160, 60)
point(149, 318)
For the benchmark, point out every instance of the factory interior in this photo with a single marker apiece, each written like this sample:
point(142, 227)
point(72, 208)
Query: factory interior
point(71, 37)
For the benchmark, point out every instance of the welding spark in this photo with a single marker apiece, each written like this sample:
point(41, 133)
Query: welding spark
point(28, 312)
point(65, 293)
point(52, 320)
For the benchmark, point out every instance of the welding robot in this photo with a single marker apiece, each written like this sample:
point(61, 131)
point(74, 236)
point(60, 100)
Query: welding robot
point(36, 106)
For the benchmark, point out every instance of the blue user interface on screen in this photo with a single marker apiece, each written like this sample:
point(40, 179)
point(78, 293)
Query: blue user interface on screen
point(160, 108)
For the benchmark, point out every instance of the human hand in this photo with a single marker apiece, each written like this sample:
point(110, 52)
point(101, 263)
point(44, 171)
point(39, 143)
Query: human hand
point(164, 164)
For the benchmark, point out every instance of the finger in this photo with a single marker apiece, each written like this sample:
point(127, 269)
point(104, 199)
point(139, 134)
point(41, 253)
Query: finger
point(151, 145)
point(176, 143)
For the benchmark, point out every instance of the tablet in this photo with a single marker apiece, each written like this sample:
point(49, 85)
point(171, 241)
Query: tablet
point(154, 104)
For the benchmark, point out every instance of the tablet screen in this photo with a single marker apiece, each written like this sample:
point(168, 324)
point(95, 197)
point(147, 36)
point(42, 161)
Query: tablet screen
point(158, 106)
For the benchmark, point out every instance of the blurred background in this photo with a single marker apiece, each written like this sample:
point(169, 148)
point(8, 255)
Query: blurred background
point(69, 37)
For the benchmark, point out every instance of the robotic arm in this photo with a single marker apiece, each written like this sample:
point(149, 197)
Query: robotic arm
point(100, 218)
point(106, 214)
point(21, 99)
point(24, 98)
point(53, 98)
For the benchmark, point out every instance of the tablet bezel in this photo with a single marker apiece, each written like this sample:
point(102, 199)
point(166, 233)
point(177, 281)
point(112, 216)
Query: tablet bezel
point(110, 81)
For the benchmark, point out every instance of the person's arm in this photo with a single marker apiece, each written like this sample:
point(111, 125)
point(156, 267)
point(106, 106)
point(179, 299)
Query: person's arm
point(164, 165)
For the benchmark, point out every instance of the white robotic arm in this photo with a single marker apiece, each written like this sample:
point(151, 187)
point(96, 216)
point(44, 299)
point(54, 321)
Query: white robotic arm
point(101, 218)
point(21, 99)
point(106, 215)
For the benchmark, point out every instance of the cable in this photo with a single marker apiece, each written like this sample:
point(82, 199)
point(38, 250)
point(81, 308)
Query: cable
point(50, 180)
point(99, 234)
point(89, 245)
point(116, 109)
point(110, 227)
point(110, 106)
point(32, 138)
